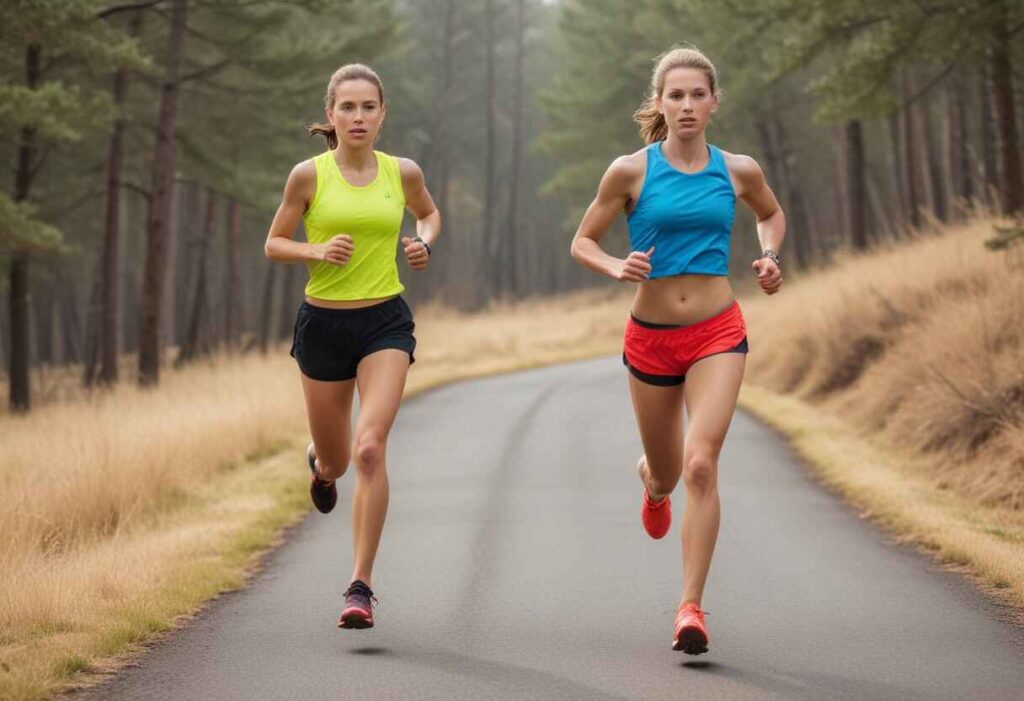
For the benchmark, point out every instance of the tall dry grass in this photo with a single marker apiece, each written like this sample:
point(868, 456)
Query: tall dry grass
point(124, 509)
point(920, 345)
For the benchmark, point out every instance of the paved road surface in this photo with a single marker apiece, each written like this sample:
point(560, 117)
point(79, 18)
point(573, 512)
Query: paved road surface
point(514, 566)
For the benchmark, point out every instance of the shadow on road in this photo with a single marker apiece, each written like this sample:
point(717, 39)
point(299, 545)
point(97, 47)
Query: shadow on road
point(804, 686)
point(525, 681)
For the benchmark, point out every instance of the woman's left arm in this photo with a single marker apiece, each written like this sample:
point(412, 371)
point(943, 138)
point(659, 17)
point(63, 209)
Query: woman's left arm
point(752, 188)
point(428, 219)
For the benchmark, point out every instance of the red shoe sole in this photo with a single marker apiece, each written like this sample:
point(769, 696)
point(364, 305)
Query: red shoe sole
point(357, 619)
point(691, 641)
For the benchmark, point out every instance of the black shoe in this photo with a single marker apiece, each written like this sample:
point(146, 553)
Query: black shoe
point(323, 492)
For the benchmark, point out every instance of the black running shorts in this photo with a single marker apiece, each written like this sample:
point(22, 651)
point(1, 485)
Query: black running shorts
point(329, 343)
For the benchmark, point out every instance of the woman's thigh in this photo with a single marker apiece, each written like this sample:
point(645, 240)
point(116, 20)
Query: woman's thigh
point(329, 410)
point(712, 386)
point(659, 416)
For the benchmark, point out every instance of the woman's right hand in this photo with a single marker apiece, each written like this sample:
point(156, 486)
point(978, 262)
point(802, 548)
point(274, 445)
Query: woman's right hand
point(338, 250)
point(636, 267)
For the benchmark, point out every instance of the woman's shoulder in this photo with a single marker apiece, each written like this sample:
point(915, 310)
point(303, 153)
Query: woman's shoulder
point(629, 167)
point(302, 177)
point(410, 171)
point(739, 164)
point(743, 169)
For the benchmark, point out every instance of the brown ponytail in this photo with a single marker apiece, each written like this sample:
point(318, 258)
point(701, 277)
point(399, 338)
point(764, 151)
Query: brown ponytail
point(651, 121)
point(350, 71)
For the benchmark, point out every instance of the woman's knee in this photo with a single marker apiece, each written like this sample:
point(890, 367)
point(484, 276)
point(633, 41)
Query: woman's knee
point(369, 449)
point(700, 470)
point(662, 479)
point(331, 464)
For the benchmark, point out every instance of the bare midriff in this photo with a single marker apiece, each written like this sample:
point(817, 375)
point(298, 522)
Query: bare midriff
point(346, 304)
point(682, 299)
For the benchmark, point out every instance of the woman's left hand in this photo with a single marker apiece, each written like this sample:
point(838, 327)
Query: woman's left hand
point(768, 275)
point(415, 253)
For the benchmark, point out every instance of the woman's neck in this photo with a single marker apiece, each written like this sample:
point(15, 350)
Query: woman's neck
point(690, 152)
point(355, 158)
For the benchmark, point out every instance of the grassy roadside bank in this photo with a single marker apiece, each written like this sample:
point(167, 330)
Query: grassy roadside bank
point(899, 377)
point(148, 504)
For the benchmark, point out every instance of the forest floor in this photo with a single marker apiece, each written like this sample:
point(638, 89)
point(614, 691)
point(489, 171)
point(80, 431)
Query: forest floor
point(898, 376)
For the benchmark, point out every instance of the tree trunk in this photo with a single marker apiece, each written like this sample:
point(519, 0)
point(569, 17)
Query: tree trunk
point(19, 392)
point(955, 161)
point(195, 342)
point(899, 196)
point(43, 307)
point(931, 165)
point(288, 307)
point(909, 175)
point(70, 322)
point(855, 183)
point(161, 194)
point(490, 234)
point(267, 307)
point(1008, 166)
point(988, 141)
point(439, 152)
point(799, 231)
point(842, 186)
point(512, 234)
point(233, 280)
point(111, 245)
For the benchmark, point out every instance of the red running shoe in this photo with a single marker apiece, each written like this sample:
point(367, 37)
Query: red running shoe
point(691, 633)
point(358, 611)
point(656, 516)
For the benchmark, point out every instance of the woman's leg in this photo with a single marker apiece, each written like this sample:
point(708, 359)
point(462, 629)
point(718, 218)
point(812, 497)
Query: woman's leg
point(712, 386)
point(329, 410)
point(659, 416)
point(381, 379)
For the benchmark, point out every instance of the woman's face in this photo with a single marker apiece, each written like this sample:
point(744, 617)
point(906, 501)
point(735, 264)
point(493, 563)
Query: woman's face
point(687, 101)
point(357, 114)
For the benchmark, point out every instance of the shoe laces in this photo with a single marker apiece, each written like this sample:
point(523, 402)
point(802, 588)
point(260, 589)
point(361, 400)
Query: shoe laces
point(359, 588)
point(691, 607)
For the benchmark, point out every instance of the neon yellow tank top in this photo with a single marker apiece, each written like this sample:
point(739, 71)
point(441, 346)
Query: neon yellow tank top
point(371, 215)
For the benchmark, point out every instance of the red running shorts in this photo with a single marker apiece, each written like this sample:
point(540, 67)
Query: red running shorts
point(661, 354)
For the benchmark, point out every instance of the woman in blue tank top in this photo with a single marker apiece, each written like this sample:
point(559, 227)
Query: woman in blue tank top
point(685, 341)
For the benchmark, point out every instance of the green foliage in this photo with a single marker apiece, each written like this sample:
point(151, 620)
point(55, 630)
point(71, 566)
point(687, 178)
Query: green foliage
point(1006, 236)
point(857, 46)
point(46, 110)
point(19, 228)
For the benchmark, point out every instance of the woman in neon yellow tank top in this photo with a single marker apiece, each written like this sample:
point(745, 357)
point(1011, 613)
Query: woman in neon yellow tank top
point(353, 330)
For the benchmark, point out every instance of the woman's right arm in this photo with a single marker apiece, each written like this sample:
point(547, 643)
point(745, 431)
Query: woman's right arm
point(613, 194)
point(298, 192)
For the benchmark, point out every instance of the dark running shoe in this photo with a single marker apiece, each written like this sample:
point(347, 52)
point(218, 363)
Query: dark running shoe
point(359, 601)
point(323, 492)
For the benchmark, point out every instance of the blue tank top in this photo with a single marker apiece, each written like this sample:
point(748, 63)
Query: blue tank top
point(687, 217)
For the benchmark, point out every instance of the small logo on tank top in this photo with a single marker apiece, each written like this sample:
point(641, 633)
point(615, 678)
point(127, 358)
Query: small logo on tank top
point(387, 194)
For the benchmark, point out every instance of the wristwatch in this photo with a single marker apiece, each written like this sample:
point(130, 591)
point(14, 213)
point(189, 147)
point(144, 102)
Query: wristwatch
point(425, 245)
point(769, 253)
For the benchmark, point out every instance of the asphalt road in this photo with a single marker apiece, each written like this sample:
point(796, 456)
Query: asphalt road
point(514, 566)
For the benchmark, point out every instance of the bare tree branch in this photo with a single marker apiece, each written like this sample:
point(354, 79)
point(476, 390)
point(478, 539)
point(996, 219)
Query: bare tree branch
point(103, 14)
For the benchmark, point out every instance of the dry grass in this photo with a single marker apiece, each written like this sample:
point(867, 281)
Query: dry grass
point(899, 375)
point(112, 506)
point(920, 346)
